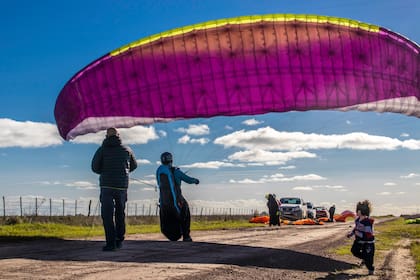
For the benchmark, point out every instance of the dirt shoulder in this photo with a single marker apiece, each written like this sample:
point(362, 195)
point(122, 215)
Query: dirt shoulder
point(288, 252)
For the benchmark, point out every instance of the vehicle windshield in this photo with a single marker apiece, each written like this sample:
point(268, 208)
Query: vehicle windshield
point(290, 200)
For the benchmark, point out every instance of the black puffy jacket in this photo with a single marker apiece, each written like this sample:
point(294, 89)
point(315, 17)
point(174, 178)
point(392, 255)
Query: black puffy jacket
point(113, 162)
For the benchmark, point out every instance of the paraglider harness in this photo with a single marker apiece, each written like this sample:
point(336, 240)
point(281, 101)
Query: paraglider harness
point(180, 200)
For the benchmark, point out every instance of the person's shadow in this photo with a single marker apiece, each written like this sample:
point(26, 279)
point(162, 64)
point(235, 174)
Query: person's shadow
point(341, 276)
point(171, 252)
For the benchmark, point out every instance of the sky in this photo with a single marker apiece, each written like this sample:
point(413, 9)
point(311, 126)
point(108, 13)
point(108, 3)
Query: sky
point(326, 157)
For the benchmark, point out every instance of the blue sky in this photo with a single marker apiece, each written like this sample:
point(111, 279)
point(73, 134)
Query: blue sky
point(325, 157)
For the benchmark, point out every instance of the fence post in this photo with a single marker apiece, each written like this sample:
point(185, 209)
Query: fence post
point(135, 213)
point(157, 208)
point(4, 207)
point(142, 212)
point(75, 207)
point(63, 207)
point(90, 205)
point(50, 207)
point(36, 206)
point(150, 209)
point(20, 204)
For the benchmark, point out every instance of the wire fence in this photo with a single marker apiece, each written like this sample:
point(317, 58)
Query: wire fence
point(38, 206)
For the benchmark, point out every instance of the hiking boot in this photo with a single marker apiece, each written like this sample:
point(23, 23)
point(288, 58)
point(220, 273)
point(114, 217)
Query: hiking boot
point(371, 272)
point(118, 244)
point(108, 248)
point(187, 239)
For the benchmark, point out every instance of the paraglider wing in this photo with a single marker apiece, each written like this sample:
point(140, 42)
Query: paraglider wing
point(244, 66)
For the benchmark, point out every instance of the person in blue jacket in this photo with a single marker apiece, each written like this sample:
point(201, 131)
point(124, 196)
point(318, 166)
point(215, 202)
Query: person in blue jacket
point(113, 162)
point(174, 211)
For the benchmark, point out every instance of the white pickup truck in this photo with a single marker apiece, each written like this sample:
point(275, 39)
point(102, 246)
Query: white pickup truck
point(293, 208)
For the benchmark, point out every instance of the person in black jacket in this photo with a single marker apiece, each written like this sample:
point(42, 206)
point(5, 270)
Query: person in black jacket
point(113, 162)
point(174, 211)
point(332, 211)
point(273, 209)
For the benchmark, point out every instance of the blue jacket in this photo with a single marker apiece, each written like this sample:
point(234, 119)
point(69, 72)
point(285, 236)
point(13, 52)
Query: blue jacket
point(113, 162)
point(169, 180)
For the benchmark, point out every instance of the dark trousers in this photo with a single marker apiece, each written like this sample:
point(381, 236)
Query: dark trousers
point(274, 217)
point(364, 251)
point(113, 202)
point(331, 215)
point(173, 224)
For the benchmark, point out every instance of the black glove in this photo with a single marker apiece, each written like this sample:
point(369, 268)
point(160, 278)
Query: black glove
point(197, 181)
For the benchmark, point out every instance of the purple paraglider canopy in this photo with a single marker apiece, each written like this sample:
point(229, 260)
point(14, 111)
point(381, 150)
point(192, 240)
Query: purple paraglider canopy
point(244, 66)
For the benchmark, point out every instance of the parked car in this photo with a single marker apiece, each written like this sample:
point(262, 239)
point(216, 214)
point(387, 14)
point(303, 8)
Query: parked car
point(322, 212)
point(293, 208)
point(311, 210)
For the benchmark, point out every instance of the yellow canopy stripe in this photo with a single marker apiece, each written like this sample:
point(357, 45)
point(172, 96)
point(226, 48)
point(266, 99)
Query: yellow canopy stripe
point(245, 20)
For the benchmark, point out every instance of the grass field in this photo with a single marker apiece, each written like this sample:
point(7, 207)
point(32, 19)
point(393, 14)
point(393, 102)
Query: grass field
point(77, 229)
point(386, 237)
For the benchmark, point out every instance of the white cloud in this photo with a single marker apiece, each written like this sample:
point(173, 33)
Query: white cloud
point(348, 122)
point(267, 138)
point(400, 193)
point(148, 189)
point(390, 184)
point(269, 158)
point(212, 165)
point(384, 193)
point(303, 189)
point(278, 178)
point(188, 140)
point(28, 134)
point(251, 122)
point(287, 167)
point(133, 135)
point(50, 183)
point(224, 206)
point(228, 127)
point(194, 129)
point(162, 133)
point(82, 185)
point(410, 176)
point(143, 161)
point(405, 135)
point(336, 188)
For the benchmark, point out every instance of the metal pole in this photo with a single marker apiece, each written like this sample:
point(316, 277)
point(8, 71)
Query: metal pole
point(63, 207)
point(50, 207)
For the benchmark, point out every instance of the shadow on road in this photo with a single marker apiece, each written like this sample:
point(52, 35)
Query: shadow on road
point(340, 276)
point(171, 252)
